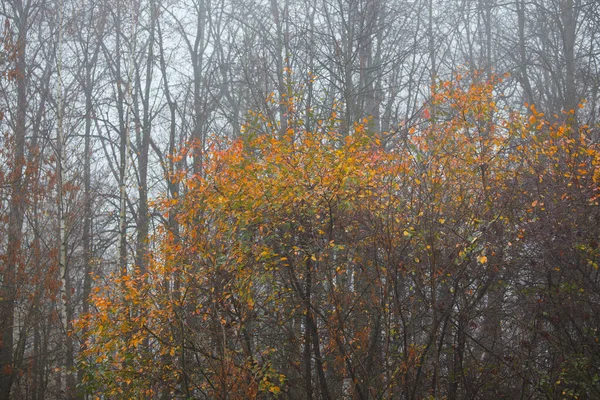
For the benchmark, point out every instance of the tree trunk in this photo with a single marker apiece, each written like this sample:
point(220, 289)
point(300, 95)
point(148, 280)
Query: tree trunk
point(144, 146)
point(8, 290)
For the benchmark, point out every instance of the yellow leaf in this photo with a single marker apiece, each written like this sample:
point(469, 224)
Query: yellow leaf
point(274, 389)
point(482, 259)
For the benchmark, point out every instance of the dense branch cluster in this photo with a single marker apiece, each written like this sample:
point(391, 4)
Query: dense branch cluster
point(458, 262)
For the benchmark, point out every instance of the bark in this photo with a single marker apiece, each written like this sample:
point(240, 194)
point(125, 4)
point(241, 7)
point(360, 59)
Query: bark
point(307, 336)
point(197, 56)
point(523, 63)
point(124, 97)
point(311, 326)
point(284, 93)
point(144, 146)
point(8, 290)
point(569, 20)
point(89, 64)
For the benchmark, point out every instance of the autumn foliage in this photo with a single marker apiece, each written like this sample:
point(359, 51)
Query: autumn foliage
point(332, 263)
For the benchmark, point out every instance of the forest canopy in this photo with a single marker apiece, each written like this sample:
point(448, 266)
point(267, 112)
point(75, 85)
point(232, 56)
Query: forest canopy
point(352, 199)
point(445, 260)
